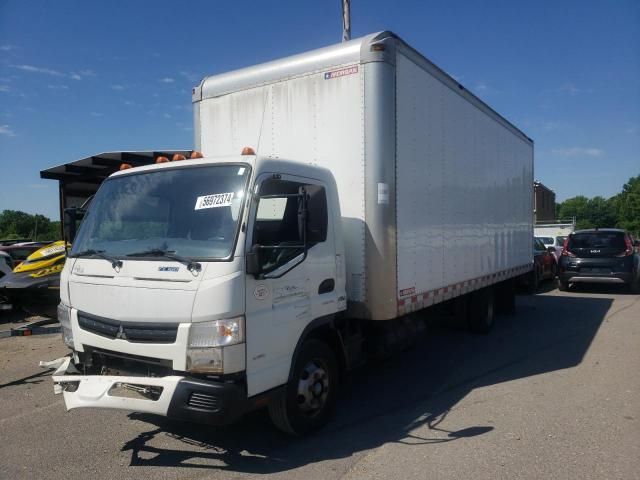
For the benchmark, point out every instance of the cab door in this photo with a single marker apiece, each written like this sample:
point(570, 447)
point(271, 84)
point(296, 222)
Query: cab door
point(293, 282)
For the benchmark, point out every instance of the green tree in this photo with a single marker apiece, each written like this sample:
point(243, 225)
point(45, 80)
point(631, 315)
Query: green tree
point(628, 203)
point(576, 207)
point(17, 224)
point(602, 213)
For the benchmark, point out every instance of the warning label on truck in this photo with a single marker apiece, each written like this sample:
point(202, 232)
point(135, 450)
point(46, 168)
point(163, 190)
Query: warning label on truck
point(214, 201)
point(341, 73)
point(408, 291)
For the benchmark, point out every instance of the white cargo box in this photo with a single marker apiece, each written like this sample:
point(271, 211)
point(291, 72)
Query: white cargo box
point(435, 187)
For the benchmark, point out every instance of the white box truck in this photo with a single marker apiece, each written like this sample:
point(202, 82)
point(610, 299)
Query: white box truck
point(554, 234)
point(340, 191)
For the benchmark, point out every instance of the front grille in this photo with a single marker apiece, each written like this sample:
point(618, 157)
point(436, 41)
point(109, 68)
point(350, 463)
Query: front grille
point(132, 332)
point(105, 362)
point(204, 401)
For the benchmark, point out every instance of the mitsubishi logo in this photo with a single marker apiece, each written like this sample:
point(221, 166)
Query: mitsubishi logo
point(121, 335)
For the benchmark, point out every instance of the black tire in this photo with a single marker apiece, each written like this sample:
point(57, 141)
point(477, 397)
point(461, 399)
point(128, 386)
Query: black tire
point(298, 414)
point(481, 310)
point(562, 285)
point(506, 297)
point(534, 283)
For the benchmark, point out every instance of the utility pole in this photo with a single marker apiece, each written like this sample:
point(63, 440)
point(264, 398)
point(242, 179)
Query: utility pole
point(346, 20)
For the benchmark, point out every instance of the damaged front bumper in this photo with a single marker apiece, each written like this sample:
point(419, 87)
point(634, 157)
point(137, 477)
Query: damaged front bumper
point(177, 397)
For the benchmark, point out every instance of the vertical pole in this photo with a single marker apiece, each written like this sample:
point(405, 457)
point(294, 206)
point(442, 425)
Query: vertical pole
point(346, 20)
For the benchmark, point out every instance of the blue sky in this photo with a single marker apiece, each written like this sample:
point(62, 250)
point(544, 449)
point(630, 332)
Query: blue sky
point(81, 77)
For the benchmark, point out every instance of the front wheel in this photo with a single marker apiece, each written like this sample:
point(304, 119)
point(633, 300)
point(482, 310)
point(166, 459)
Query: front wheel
point(307, 401)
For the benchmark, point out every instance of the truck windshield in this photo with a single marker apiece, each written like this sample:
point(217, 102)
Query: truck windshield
point(188, 211)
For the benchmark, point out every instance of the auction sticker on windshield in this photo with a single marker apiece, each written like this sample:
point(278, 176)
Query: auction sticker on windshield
point(214, 201)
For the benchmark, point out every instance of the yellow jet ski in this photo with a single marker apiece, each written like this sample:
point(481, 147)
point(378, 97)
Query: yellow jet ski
point(34, 285)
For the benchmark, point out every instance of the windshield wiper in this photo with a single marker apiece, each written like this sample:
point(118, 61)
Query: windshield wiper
point(115, 263)
point(158, 252)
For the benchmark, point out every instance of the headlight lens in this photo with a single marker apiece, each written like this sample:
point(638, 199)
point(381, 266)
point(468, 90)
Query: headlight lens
point(206, 339)
point(205, 360)
point(64, 317)
point(218, 333)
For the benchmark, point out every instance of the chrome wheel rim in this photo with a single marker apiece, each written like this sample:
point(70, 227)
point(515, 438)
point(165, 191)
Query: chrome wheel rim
point(313, 387)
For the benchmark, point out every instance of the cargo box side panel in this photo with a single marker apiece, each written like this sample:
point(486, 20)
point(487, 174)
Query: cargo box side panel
point(463, 190)
point(315, 118)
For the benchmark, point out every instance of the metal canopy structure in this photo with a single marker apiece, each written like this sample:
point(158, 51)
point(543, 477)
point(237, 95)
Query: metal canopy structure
point(80, 179)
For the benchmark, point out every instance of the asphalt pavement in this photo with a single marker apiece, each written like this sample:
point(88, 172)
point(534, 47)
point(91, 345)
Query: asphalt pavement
point(552, 392)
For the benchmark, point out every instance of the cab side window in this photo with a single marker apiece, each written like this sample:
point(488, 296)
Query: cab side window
point(281, 227)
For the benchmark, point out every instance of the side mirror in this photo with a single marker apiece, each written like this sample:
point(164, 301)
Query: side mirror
point(253, 261)
point(70, 222)
point(316, 221)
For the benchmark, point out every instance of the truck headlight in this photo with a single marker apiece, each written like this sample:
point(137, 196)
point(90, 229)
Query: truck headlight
point(206, 339)
point(64, 317)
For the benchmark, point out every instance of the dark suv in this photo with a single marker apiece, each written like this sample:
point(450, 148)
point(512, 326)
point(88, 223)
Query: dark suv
point(605, 255)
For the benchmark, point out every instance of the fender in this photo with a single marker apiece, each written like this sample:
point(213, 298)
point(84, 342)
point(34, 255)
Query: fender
point(322, 328)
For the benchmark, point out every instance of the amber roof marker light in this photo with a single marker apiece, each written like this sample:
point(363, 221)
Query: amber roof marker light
point(125, 166)
point(248, 151)
point(177, 157)
point(162, 160)
point(195, 154)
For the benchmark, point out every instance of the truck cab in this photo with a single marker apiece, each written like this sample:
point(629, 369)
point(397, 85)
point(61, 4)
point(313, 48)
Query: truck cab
point(194, 288)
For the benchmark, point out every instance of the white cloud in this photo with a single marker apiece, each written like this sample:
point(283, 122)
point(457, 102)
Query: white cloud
point(553, 126)
point(573, 90)
point(87, 73)
point(32, 69)
point(7, 131)
point(578, 152)
point(4, 88)
point(7, 48)
point(118, 87)
point(484, 88)
point(166, 115)
point(52, 72)
point(96, 114)
point(58, 87)
point(167, 80)
point(192, 77)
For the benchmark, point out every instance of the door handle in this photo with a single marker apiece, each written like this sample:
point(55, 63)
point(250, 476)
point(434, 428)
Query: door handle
point(326, 286)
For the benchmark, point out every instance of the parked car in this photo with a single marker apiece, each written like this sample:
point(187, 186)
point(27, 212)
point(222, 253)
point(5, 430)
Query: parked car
point(605, 255)
point(554, 245)
point(545, 265)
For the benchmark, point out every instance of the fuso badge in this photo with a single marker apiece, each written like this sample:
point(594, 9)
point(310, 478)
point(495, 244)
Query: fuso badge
point(261, 292)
